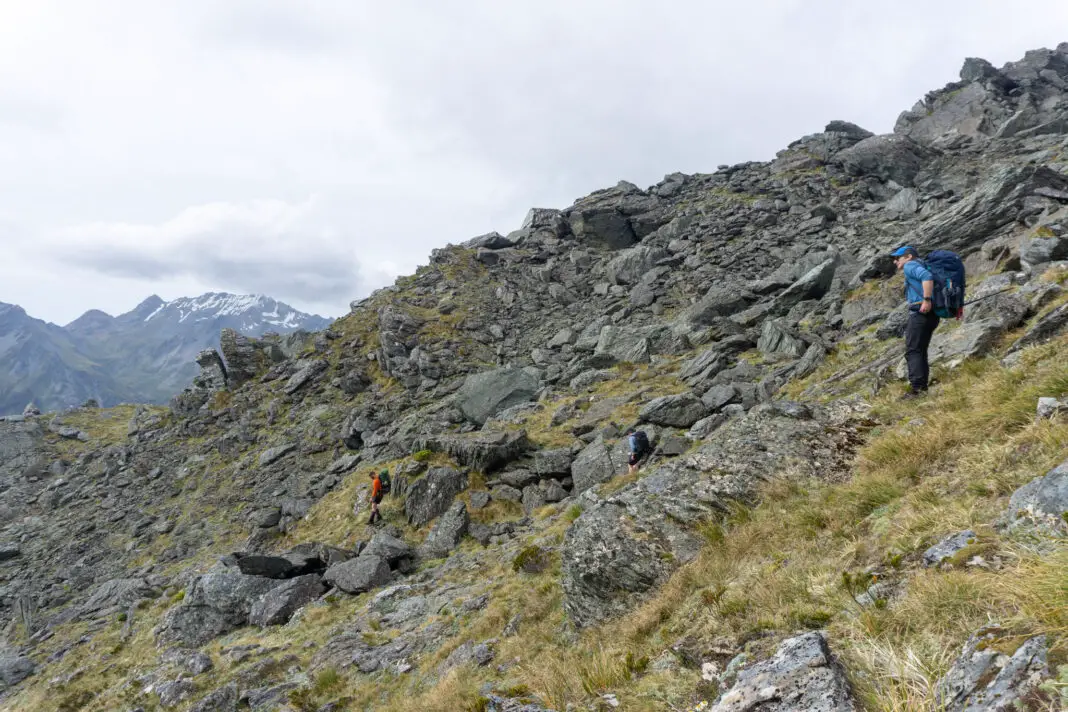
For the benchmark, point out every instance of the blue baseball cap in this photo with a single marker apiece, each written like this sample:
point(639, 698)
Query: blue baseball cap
point(904, 250)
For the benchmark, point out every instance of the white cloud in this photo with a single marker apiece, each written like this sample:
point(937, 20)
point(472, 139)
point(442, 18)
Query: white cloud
point(172, 147)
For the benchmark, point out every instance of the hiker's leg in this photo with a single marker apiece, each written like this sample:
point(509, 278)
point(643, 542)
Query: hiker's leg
point(916, 350)
point(930, 324)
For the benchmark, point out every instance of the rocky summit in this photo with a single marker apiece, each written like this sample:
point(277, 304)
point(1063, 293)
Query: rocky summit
point(798, 539)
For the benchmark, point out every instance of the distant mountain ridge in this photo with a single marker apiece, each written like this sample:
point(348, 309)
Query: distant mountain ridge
point(146, 354)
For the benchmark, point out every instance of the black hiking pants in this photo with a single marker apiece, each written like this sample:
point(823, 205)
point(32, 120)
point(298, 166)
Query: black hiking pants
point(918, 332)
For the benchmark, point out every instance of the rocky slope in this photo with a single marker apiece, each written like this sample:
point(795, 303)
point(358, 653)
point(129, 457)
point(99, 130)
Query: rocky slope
point(143, 356)
point(800, 539)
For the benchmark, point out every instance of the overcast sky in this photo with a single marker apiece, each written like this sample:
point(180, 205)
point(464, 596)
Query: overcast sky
point(314, 150)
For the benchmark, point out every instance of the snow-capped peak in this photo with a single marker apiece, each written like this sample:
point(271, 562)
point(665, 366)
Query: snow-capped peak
point(254, 312)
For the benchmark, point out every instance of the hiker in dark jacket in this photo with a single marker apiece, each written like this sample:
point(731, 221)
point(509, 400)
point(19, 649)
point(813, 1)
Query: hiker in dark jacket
point(919, 292)
point(638, 443)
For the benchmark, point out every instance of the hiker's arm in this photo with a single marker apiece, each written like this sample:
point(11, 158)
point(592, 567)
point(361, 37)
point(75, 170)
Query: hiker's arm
point(928, 292)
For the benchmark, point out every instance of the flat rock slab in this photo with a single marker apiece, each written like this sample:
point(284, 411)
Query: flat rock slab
point(946, 548)
point(802, 675)
point(358, 575)
point(279, 604)
point(1043, 502)
point(984, 679)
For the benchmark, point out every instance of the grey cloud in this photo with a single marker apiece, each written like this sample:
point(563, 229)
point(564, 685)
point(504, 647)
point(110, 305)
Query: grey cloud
point(27, 113)
point(313, 278)
point(269, 25)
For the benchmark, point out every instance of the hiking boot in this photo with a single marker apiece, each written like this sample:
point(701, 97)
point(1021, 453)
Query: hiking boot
point(912, 394)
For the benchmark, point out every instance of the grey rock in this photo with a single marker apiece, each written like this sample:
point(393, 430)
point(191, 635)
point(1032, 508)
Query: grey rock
point(518, 478)
point(678, 411)
point(984, 679)
point(117, 593)
point(480, 500)
point(802, 675)
point(279, 604)
point(814, 284)
point(483, 395)
point(718, 302)
point(9, 550)
point(265, 518)
point(447, 532)
point(433, 494)
point(1047, 326)
point(777, 338)
point(274, 454)
point(386, 546)
point(553, 491)
point(506, 493)
point(533, 498)
point(469, 653)
point(1040, 250)
point(588, 378)
point(172, 694)
point(216, 603)
point(950, 348)
point(14, 669)
point(243, 359)
point(622, 548)
point(888, 157)
point(1046, 409)
point(1042, 502)
point(595, 464)
point(483, 451)
point(706, 426)
point(553, 462)
point(629, 265)
point(947, 548)
point(489, 241)
point(718, 396)
point(672, 445)
point(906, 202)
point(305, 375)
point(212, 376)
point(358, 575)
point(993, 204)
point(276, 567)
point(192, 661)
point(223, 699)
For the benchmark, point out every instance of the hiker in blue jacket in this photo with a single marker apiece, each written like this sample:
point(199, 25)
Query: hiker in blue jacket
point(919, 291)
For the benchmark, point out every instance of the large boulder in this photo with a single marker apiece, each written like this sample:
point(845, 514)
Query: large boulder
point(549, 463)
point(950, 347)
point(621, 548)
point(431, 496)
point(14, 669)
point(447, 532)
point(359, 575)
point(279, 604)
point(887, 157)
point(629, 266)
point(717, 302)
point(1048, 326)
point(483, 451)
point(386, 546)
point(993, 205)
point(802, 675)
point(678, 411)
point(486, 394)
point(244, 358)
point(595, 464)
point(117, 593)
point(1042, 502)
point(985, 679)
point(215, 603)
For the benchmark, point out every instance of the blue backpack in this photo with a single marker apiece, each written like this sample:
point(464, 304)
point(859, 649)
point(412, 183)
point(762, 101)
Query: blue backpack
point(949, 283)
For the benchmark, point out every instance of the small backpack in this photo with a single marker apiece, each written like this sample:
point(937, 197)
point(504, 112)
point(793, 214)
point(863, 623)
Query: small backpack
point(949, 283)
point(641, 442)
point(387, 484)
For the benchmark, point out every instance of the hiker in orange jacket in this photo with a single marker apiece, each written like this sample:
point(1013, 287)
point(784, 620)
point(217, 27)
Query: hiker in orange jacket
point(376, 497)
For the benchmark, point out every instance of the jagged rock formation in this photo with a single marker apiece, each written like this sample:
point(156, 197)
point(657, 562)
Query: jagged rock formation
point(496, 384)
